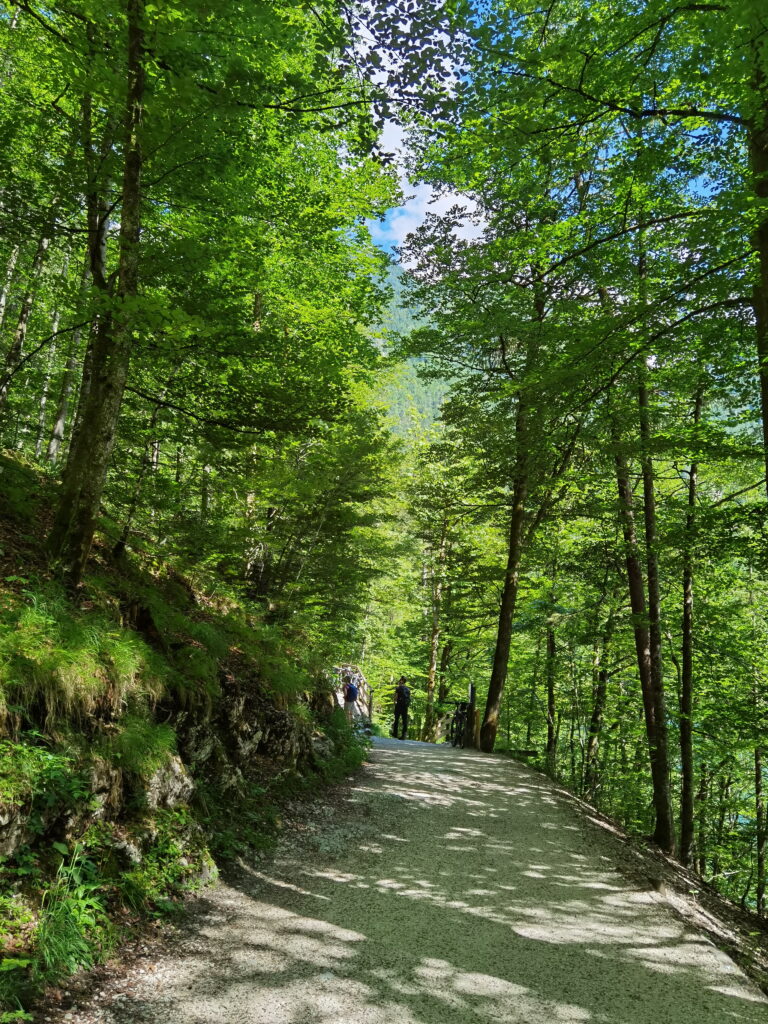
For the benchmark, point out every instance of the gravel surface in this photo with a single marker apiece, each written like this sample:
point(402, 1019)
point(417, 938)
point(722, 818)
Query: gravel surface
point(446, 887)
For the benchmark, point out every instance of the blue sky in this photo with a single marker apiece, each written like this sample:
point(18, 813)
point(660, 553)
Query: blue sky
point(420, 200)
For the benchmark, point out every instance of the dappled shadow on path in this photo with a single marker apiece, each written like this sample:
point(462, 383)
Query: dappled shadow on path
point(473, 897)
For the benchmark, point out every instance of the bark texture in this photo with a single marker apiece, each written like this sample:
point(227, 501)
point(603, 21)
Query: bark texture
point(91, 449)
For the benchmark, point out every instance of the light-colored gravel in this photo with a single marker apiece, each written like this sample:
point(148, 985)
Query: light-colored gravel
point(447, 888)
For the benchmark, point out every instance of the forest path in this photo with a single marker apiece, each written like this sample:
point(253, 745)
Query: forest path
point(449, 887)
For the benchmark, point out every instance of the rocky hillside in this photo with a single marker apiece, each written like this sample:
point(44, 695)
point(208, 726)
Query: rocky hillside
point(148, 728)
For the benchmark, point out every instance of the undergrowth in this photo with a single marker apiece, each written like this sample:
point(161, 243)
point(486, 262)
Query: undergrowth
point(59, 663)
point(95, 694)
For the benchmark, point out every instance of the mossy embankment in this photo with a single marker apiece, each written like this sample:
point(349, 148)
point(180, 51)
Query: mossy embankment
point(150, 725)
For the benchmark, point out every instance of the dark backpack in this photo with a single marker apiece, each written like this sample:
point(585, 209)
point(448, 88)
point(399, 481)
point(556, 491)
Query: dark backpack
point(402, 696)
point(351, 692)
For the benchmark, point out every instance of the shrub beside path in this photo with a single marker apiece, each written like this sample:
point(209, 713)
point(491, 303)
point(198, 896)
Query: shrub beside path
point(447, 887)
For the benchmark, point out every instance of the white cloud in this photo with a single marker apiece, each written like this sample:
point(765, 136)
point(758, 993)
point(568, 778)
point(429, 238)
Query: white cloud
point(420, 200)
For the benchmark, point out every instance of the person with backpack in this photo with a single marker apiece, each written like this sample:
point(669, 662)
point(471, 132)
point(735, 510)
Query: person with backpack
point(350, 700)
point(402, 702)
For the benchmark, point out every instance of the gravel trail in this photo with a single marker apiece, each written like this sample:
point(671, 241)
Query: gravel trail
point(448, 888)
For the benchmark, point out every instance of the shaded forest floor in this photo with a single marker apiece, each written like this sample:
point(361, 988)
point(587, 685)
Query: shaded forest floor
point(440, 886)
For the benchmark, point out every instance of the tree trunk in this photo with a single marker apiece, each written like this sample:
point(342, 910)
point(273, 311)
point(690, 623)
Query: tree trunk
point(490, 723)
point(664, 832)
point(659, 774)
point(595, 727)
point(758, 155)
point(701, 822)
point(551, 710)
point(16, 350)
point(445, 662)
point(6, 289)
point(686, 672)
point(44, 395)
point(532, 697)
point(761, 831)
point(724, 794)
point(508, 600)
point(67, 382)
point(430, 719)
point(91, 450)
point(147, 463)
point(62, 409)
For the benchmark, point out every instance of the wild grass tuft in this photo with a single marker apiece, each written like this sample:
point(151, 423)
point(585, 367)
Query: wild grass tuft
point(141, 746)
point(68, 664)
point(74, 929)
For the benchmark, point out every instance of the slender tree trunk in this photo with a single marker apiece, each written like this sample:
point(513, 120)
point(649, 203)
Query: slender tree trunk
point(205, 475)
point(551, 709)
point(686, 672)
point(16, 350)
point(659, 772)
point(445, 664)
point(438, 568)
point(533, 695)
point(67, 382)
point(6, 289)
point(62, 409)
point(147, 464)
point(521, 482)
point(45, 392)
point(664, 832)
point(90, 453)
point(701, 822)
point(599, 699)
point(591, 774)
point(758, 154)
point(762, 836)
point(724, 794)
point(508, 600)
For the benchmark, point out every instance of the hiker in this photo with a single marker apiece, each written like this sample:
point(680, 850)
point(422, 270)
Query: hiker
point(350, 700)
point(402, 700)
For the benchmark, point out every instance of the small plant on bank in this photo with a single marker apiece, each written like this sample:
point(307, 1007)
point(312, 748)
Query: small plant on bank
point(74, 929)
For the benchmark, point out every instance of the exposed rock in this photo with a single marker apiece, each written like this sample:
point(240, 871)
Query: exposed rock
point(106, 787)
point(13, 828)
point(169, 785)
point(127, 852)
point(322, 747)
point(251, 724)
point(198, 740)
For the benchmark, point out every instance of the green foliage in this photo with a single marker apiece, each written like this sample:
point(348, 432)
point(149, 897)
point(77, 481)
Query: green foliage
point(71, 931)
point(350, 748)
point(141, 746)
point(42, 780)
point(67, 660)
point(74, 930)
point(176, 862)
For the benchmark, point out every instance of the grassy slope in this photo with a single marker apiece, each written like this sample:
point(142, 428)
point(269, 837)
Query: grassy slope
point(134, 719)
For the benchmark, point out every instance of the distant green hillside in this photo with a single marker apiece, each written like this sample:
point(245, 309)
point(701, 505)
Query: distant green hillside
point(413, 403)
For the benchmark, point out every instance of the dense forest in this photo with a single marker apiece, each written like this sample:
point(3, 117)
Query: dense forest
point(242, 448)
